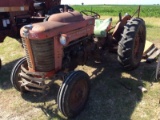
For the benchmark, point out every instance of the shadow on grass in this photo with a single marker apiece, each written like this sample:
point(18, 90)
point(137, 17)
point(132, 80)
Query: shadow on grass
point(48, 111)
point(114, 92)
point(48, 107)
point(112, 96)
point(39, 97)
point(5, 72)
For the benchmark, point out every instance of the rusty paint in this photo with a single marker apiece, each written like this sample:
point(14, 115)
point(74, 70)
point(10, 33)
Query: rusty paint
point(120, 26)
point(74, 35)
point(49, 29)
point(53, 29)
point(14, 9)
point(29, 48)
point(74, 16)
point(58, 53)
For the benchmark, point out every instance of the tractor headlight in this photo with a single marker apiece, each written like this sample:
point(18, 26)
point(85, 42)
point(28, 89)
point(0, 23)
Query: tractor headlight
point(63, 40)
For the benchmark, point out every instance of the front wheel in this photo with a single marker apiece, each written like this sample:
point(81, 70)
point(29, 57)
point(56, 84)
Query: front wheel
point(131, 45)
point(15, 78)
point(73, 93)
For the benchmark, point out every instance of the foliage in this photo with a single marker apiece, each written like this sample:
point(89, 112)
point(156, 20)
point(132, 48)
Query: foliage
point(114, 10)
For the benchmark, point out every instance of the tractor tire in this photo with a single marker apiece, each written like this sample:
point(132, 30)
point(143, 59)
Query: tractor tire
point(158, 70)
point(0, 63)
point(15, 78)
point(73, 93)
point(131, 45)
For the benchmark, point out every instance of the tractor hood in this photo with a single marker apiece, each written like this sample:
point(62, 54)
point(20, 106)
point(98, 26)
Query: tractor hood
point(57, 24)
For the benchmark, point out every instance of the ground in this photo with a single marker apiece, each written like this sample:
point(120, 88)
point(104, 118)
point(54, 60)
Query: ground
point(114, 92)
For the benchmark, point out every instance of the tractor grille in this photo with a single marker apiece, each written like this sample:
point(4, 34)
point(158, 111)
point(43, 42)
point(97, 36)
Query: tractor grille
point(43, 55)
point(27, 53)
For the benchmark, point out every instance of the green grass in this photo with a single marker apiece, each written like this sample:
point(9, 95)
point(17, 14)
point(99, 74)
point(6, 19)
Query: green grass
point(150, 14)
point(114, 93)
point(10, 52)
point(114, 10)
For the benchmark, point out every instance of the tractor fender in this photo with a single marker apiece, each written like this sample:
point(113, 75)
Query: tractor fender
point(120, 26)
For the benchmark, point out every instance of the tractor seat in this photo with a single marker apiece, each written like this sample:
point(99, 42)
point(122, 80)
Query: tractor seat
point(101, 27)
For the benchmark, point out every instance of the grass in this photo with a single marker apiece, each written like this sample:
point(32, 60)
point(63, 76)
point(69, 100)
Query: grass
point(150, 13)
point(114, 93)
point(152, 25)
point(114, 10)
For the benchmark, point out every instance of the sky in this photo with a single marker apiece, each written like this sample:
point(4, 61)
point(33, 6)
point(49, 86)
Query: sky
point(133, 2)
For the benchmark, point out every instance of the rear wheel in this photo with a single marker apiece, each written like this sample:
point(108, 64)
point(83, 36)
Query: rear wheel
point(158, 70)
point(73, 93)
point(15, 77)
point(0, 63)
point(131, 45)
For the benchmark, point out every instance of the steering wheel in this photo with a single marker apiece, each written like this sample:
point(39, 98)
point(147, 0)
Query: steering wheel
point(90, 13)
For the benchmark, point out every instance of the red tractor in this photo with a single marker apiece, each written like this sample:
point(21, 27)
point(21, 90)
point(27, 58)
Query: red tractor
point(55, 47)
point(15, 14)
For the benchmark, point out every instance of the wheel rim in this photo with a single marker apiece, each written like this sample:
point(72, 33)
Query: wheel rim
point(158, 70)
point(73, 93)
point(0, 63)
point(78, 95)
point(18, 79)
point(138, 45)
point(15, 77)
